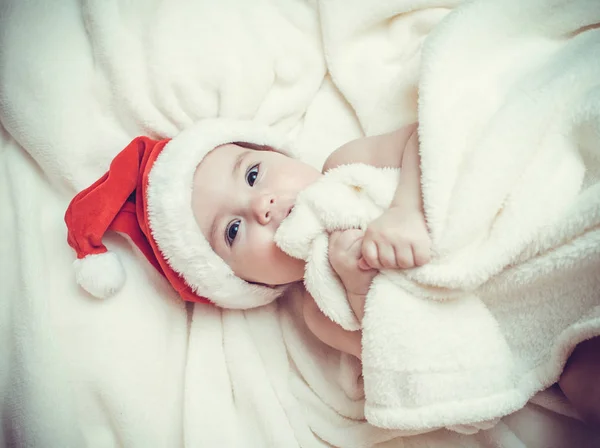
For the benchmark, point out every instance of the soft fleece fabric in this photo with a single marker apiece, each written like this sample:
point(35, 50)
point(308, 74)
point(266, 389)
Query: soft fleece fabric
point(79, 80)
point(436, 356)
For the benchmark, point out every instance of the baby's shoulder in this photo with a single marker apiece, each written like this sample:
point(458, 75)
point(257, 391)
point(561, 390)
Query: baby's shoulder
point(355, 151)
point(383, 150)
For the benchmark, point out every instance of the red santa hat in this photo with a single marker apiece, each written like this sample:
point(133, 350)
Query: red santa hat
point(147, 195)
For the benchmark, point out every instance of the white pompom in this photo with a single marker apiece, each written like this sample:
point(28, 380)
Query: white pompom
point(102, 275)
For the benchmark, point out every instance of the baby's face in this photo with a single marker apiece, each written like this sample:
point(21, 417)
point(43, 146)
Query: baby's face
point(239, 198)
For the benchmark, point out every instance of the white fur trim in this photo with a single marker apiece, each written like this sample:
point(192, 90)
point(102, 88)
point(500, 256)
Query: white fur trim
point(346, 197)
point(172, 221)
point(102, 275)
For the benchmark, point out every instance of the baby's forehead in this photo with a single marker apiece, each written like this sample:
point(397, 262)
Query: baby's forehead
point(220, 156)
point(234, 148)
point(227, 152)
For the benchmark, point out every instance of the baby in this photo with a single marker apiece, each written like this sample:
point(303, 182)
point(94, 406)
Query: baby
point(239, 215)
point(241, 184)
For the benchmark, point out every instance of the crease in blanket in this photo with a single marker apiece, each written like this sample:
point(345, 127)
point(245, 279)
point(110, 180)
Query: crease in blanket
point(457, 362)
point(140, 372)
point(510, 174)
point(430, 363)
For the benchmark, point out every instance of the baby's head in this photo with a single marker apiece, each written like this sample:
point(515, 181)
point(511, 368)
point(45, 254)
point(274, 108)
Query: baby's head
point(204, 212)
point(241, 193)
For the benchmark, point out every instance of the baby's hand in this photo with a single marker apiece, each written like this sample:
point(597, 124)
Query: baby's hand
point(398, 239)
point(344, 254)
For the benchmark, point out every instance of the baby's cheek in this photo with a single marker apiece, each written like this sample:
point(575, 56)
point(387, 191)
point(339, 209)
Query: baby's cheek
point(293, 268)
point(271, 265)
point(267, 256)
point(277, 258)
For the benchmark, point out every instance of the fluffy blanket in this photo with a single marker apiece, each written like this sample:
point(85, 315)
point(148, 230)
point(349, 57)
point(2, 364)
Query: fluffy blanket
point(79, 79)
point(440, 357)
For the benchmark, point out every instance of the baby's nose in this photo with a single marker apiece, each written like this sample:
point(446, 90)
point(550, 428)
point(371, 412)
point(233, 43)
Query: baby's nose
point(263, 206)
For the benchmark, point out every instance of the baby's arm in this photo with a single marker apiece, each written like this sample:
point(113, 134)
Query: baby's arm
point(344, 253)
point(398, 238)
point(329, 332)
point(408, 194)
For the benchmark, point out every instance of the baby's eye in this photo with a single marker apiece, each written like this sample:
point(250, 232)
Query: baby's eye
point(231, 231)
point(252, 174)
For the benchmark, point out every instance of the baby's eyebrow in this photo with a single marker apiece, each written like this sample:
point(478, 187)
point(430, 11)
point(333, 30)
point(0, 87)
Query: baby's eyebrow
point(238, 162)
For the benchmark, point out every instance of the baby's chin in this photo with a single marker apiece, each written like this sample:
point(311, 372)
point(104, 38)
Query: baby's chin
point(278, 269)
point(287, 270)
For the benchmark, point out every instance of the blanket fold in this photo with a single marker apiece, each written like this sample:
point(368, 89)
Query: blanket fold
point(80, 79)
point(510, 174)
point(428, 362)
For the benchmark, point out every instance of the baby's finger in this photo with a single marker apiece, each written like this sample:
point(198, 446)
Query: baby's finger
point(347, 239)
point(421, 254)
point(355, 248)
point(387, 256)
point(369, 254)
point(404, 257)
point(363, 265)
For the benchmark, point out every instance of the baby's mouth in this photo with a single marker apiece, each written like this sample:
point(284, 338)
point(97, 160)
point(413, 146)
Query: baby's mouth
point(280, 232)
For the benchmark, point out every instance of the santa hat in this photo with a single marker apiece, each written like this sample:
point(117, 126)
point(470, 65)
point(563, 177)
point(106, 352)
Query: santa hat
point(147, 195)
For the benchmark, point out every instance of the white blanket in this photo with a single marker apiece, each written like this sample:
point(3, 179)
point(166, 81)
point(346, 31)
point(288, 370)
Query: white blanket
point(78, 80)
point(439, 357)
point(511, 184)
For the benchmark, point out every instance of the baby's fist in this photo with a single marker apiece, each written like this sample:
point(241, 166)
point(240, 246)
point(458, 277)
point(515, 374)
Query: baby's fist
point(344, 254)
point(398, 239)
